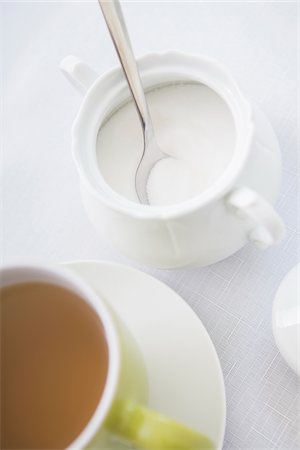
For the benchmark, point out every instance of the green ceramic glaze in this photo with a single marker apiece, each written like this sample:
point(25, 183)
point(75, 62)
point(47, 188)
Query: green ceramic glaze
point(130, 421)
point(149, 430)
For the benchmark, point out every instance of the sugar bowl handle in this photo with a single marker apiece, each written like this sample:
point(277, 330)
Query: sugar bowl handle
point(267, 227)
point(78, 73)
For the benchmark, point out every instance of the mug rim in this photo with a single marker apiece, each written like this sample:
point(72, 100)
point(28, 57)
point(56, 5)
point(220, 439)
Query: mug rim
point(65, 278)
point(116, 201)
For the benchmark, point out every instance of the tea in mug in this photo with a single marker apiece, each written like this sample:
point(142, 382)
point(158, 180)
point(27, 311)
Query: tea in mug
point(54, 363)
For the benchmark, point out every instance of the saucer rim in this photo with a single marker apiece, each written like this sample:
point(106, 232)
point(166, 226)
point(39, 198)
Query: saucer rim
point(184, 304)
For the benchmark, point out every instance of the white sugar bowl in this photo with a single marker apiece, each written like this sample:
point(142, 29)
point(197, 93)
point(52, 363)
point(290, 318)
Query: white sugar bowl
point(236, 209)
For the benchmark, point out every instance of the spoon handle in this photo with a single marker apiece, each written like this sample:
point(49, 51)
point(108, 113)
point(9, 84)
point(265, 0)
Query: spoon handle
point(114, 19)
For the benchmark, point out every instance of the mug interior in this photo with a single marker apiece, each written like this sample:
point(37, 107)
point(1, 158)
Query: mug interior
point(14, 276)
point(110, 91)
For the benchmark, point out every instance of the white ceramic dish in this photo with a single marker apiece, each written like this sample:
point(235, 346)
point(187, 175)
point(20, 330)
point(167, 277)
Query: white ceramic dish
point(236, 209)
point(185, 377)
point(286, 318)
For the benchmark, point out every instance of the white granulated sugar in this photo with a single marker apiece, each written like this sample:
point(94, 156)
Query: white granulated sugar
point(195, 129)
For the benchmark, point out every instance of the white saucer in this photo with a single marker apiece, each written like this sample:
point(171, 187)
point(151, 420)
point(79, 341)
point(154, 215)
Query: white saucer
point(185, 378)
point(286, 318)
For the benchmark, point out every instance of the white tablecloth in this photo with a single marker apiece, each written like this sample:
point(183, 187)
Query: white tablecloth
point(42, 215)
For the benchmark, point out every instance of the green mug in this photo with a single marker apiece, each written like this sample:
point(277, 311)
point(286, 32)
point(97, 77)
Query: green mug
point(121, 411)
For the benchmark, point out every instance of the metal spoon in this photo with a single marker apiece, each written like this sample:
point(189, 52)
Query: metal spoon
point(151, 152)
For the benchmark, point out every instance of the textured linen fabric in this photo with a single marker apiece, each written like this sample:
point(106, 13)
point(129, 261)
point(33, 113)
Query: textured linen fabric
point(42, 218)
